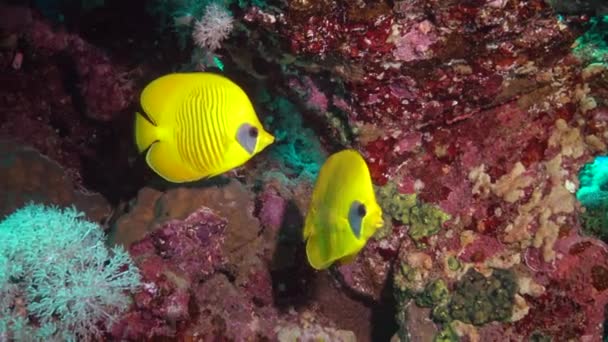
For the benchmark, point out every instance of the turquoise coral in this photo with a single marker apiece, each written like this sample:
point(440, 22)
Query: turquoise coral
point(592, 46)
point(296, 146)
point(593, 194)
point(54, 263)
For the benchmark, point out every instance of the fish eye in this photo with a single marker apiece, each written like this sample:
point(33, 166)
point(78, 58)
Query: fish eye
point(253, 132)
point(361, 210)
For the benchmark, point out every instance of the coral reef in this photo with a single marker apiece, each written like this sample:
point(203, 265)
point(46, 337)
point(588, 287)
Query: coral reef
point(487, 120)
point(211, 269)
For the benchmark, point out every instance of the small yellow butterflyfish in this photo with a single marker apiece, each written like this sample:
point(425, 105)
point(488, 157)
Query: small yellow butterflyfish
point(197, 125)
point(343, 212)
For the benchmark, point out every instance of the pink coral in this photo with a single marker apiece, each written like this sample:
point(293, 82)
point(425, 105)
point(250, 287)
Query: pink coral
point(414, 44)
point(315, 99)
point(272, 209)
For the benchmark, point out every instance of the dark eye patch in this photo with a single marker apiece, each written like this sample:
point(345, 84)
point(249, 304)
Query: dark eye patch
point(253, 132)
point(356, 213)
point(362, 210)
point(247, 137)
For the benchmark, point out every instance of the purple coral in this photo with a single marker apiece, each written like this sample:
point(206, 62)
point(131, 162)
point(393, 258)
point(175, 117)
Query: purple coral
point(414, 44)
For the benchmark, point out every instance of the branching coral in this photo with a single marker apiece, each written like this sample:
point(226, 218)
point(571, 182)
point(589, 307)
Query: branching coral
point(58, 281)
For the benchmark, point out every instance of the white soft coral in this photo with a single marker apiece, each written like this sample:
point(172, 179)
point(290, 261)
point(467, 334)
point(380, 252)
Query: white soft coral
point(215, 26)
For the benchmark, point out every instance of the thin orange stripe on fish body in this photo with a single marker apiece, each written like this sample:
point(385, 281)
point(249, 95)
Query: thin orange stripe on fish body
point(215, 135)
point(203, 138)
point(215, 114)
point(202, 156)
point(179, 133)
point(210, 128)
point(181, 122)
point(190, 127)
point(222, 109)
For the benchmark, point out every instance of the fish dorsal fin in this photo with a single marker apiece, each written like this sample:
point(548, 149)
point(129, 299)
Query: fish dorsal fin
point(158, 98)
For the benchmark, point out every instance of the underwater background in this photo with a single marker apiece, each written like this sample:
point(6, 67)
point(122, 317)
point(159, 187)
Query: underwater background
point(483, 124)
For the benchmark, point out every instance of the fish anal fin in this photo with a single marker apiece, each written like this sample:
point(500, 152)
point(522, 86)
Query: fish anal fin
point(348, 259)
point(163, 158)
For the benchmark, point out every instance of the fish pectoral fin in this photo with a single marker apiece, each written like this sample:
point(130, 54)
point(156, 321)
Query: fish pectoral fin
point(164, 160)
point(317, 254)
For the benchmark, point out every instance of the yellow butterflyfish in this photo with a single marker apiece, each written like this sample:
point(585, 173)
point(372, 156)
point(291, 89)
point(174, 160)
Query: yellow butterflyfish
point(197, 125)
point(343, 213)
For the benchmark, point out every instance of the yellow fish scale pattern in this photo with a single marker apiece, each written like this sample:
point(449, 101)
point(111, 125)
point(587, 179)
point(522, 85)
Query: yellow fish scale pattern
point(201, 129)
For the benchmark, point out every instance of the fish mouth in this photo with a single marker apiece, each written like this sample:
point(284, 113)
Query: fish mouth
point(265, 140)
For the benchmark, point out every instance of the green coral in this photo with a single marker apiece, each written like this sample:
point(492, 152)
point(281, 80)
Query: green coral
point(436, 292)
point(479, 300)
point(447, 334)
point(475, 299)
point(539, 337)
point(435, 296)
point(423, 219)
point(595, 222)
point(453, 264)
point(296, 146)
point(405, 281)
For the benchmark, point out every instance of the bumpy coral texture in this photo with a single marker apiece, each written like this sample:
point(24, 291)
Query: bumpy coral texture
point(57, 278)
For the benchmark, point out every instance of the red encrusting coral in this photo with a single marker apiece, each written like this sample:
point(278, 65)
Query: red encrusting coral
point(172, 260)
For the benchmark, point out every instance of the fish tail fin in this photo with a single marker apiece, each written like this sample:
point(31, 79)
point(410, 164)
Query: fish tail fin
point(146, 133)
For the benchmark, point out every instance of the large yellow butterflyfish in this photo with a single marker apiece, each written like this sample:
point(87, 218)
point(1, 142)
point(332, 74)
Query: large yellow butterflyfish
point(197, 125)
